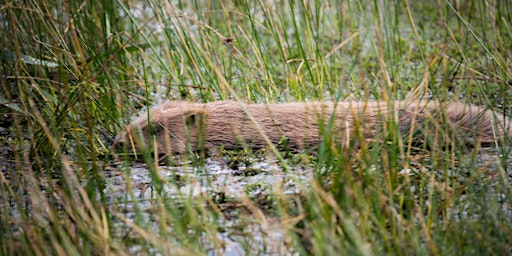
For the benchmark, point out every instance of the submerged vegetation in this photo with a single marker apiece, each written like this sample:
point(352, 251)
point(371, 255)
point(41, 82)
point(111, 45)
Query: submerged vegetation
point(73, 73)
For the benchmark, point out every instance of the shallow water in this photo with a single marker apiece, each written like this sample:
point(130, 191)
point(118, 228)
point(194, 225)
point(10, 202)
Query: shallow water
point(214, 179)
point(263, 177)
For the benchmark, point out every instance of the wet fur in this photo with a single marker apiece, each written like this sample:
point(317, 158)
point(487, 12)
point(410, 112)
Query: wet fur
point(176, 125)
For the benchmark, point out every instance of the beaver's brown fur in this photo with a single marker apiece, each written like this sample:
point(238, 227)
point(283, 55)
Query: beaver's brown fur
point(176, 125)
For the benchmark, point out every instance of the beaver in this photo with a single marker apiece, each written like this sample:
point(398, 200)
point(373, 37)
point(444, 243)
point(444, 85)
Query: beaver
point(178, 126)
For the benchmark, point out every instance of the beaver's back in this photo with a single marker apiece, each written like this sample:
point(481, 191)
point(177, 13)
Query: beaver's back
point(176, 125)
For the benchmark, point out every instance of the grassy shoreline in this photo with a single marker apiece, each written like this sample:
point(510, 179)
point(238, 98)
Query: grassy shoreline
point(73, 73)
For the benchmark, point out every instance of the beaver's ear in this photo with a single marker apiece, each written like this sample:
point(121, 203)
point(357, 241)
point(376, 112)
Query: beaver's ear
point(193, 119)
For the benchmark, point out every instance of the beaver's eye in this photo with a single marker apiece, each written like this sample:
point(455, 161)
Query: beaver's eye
point(155, 128)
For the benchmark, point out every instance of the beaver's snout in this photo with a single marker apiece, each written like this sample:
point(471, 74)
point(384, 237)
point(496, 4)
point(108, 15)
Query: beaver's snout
point(126, 141)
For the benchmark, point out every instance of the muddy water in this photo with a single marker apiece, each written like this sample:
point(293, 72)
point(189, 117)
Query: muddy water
point(263, 177)
point(215, 179)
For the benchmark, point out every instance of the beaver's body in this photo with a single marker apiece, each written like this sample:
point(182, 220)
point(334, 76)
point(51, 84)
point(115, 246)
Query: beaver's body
point(175, 125)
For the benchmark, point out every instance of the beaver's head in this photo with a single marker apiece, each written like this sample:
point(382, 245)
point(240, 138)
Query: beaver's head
point(172, 127)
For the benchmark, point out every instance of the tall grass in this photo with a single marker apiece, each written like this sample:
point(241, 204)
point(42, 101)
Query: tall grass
point(74, 72)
